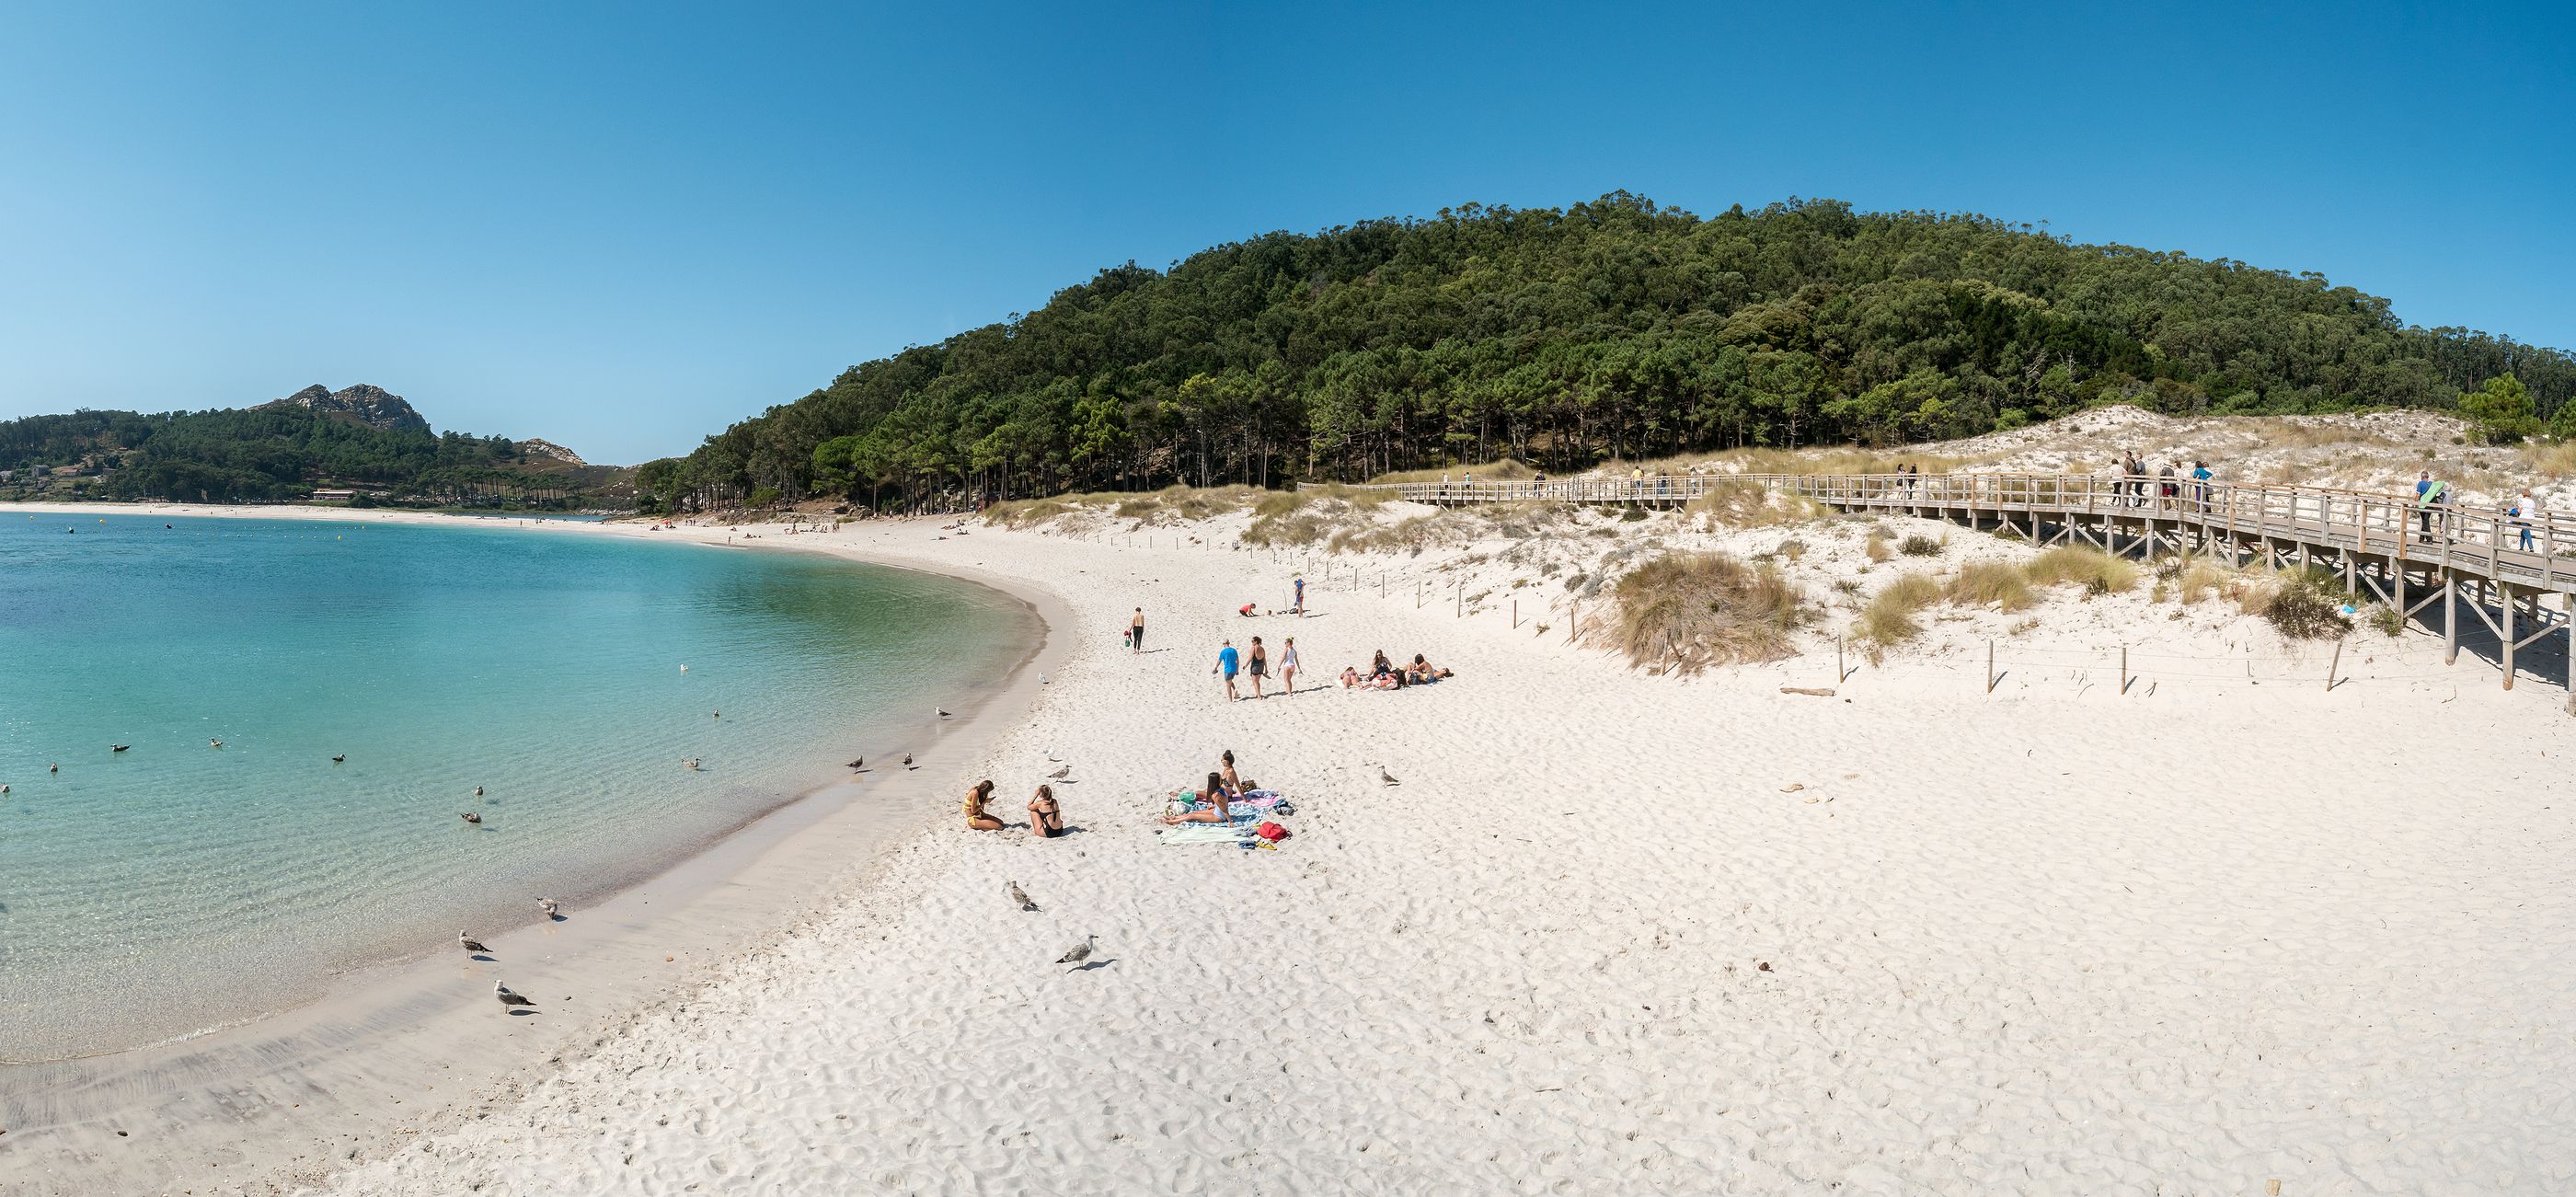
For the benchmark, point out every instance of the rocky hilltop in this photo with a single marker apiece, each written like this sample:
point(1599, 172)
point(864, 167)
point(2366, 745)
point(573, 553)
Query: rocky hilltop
point(372, 406)
point(546, 448)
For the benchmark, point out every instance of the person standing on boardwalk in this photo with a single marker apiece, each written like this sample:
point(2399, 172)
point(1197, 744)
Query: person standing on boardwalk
point(2533, 511)
point(2522, 511)
point(2200, 477)
point(1226, 660)
point(1260, 666)
point(1288, 667)
point(1136, 632)
point(1298, 606)
point(2427, 493)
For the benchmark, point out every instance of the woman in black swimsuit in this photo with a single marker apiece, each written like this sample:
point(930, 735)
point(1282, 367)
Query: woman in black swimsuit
point(1260, 665)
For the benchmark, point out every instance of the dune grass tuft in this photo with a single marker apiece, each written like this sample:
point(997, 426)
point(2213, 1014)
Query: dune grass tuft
point(2096, 571)
point(1889, 618)
point(1696, 610)
point(2300, 604)
point(1990, 584)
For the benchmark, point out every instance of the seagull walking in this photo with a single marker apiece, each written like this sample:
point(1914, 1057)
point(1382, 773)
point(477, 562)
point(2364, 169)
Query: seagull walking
point(859, 763)
point(1021, 896)
point(469, 943)
point(942, 711)
point(1081, 952)
point(548, 906)
point(907, 760)
point(1061, 774)
point(1386, 777)
point(509, 996)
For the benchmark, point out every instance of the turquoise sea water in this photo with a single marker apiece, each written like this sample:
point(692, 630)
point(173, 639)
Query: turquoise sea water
point(543, 666)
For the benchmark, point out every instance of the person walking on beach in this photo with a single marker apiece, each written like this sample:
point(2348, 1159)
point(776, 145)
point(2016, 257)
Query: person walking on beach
point(1298, 604)
point(1260, 666)
point(1136, 632)
point(1226, 659)
point(1288, 667)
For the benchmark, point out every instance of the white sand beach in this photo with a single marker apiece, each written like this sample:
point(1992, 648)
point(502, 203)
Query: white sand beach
point(1613, 933)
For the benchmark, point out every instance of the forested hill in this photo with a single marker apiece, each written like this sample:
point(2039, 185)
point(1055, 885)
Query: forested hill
point(1613, 328)
point(362, 438)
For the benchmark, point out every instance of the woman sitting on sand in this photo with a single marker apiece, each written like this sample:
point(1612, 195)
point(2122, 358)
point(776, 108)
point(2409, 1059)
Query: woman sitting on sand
point(976, 819)
point(1212, 806)
point(1235, 786)
point(1046, 820)
point(1380, 667)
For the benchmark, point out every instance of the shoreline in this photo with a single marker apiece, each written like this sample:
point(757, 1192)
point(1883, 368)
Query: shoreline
point(279, 1098)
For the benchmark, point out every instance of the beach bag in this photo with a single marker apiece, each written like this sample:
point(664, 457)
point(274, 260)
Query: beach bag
point(1271, 832)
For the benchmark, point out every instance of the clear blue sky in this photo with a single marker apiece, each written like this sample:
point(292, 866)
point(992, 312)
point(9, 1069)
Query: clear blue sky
point(622, 227)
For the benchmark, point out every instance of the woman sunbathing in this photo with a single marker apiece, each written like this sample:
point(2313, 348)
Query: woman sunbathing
point(1422, 671)
point(1212, 805)
point(1350, 676)
point(1046, 820)
point(976, 819)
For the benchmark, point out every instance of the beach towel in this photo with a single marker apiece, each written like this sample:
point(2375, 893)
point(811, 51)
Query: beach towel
point(1201, 833)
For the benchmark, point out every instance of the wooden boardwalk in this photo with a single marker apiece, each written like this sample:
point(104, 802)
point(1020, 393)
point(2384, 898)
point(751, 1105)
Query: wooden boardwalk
point(2404, 554)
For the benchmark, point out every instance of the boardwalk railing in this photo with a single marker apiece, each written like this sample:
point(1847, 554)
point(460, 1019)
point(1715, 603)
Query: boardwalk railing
point(2536, 551)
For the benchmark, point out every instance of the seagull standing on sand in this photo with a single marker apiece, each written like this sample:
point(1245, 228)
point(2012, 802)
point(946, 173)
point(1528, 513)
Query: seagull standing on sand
point(907, 760)
point(469, 943)
point(548, 906)
point(1061, 774)
point(943, 711)
point(509, 996)
point(1021, 896)
point(860, 763)
point(1386, 777)
point(1081, 952)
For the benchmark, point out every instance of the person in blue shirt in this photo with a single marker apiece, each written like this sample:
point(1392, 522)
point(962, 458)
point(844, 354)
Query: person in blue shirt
point(2200, 477)
point(1226, 661)
point(1300, 606)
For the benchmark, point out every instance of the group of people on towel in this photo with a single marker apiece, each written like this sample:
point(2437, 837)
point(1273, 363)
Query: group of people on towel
point(1386, 675)
point(1214, 803)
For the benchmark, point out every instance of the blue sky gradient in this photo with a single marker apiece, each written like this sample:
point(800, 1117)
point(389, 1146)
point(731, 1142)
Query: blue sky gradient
point(623, 226)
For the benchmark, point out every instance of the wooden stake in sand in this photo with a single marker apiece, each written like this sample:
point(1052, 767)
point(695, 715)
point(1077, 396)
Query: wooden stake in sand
point(1990, 666)
point(2124, 669)
point(2333, 666)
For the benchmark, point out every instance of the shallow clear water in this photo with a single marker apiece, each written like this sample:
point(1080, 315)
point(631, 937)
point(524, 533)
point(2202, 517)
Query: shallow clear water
point(169, 885)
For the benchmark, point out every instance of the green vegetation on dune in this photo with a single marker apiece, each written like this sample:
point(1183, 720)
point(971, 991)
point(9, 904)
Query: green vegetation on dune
point(1561, 338)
